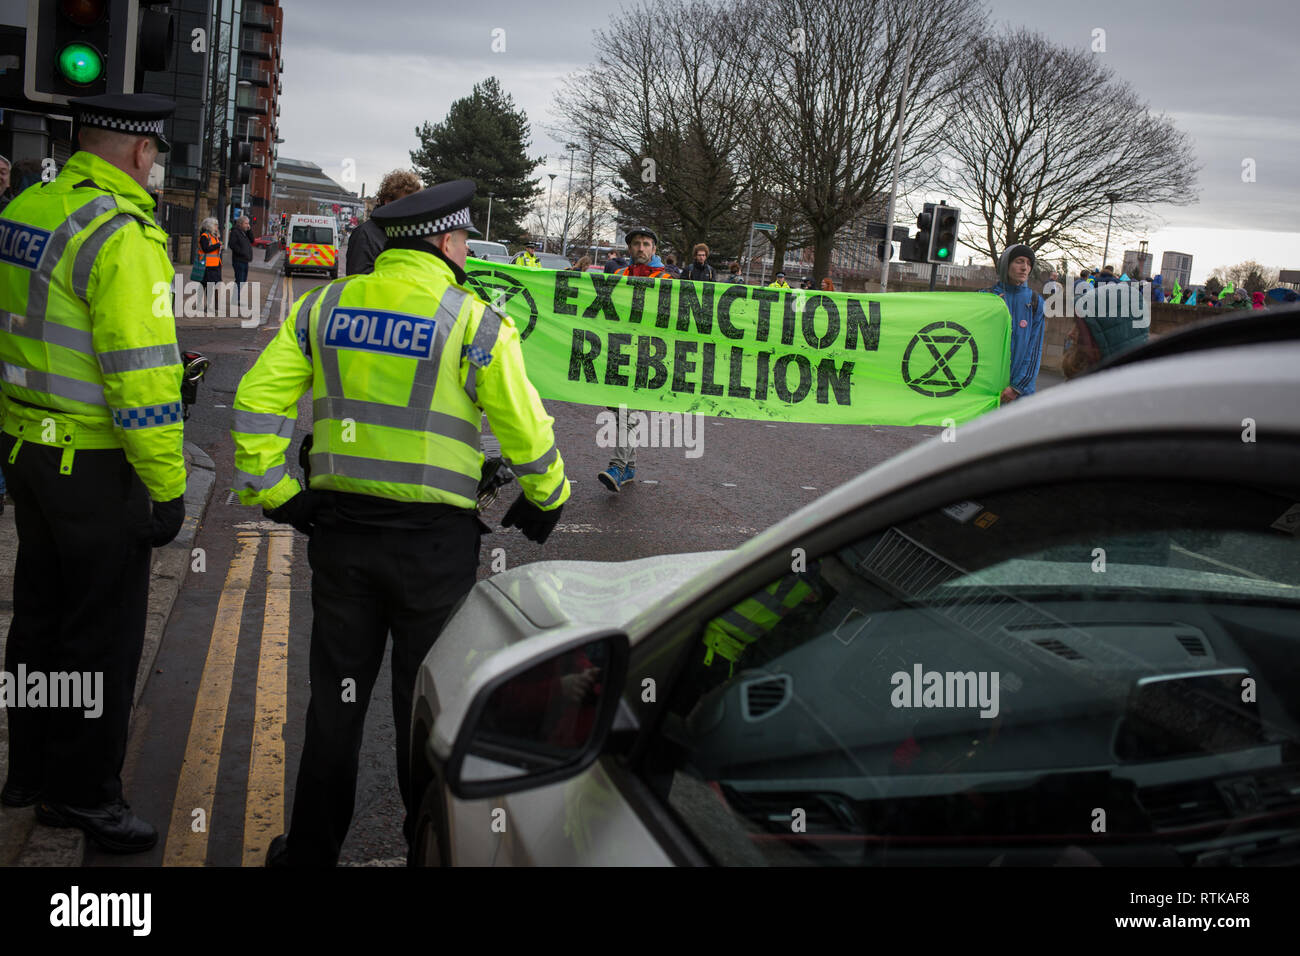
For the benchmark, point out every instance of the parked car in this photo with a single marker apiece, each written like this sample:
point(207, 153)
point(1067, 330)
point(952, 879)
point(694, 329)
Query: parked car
point(268, 241)
point(488, 251)
point(1087, 604)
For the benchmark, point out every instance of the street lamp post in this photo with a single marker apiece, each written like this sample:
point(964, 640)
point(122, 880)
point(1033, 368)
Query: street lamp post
point(487, 234)
point(1114, 198)
point(564, 243)
point(546, 230)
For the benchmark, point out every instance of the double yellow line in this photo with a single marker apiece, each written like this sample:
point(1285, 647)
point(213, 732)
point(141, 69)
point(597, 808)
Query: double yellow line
point(192, 809)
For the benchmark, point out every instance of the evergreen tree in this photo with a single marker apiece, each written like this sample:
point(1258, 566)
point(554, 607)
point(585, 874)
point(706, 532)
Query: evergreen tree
point(483, 138)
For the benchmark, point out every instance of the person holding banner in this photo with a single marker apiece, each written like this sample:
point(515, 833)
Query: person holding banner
point(1027, 321)
point(641, 245)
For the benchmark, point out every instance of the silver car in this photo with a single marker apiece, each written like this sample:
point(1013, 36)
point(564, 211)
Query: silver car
point(1065, 633)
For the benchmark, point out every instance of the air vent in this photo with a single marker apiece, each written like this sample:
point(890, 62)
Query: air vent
point(1193, 644)
point(1059, 648)
point(765, 696)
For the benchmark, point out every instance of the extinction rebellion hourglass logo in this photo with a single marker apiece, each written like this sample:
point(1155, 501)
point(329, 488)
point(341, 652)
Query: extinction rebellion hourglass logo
point(945, 365)
point(498, 289)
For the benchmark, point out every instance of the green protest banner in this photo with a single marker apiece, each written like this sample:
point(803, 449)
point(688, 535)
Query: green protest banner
point(906, 358)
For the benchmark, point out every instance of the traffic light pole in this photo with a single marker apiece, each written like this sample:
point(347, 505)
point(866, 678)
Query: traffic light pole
point(934, 274)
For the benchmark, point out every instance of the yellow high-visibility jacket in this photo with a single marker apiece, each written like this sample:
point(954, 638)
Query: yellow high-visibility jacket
point(88, 355)
point(401, 362)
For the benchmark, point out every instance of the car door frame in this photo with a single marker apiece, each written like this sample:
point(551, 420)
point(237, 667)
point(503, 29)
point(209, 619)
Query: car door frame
point(663, 654)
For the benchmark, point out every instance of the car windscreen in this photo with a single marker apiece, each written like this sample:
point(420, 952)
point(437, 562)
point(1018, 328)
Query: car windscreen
point(977, 673)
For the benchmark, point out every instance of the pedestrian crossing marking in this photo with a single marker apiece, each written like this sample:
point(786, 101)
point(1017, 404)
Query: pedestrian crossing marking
point(197, 786)
point(264, 803)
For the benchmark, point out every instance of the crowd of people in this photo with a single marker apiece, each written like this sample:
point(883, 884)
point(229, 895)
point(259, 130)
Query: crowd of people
point(697, 270)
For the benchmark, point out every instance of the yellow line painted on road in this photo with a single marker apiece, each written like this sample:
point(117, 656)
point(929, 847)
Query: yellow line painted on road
point(286, 296)
point(197, 786)
point(264, 806)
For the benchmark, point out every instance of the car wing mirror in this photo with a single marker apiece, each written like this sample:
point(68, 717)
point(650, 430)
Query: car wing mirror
point(543, 720)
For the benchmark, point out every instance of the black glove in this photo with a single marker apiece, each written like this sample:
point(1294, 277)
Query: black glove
point(535, 523)
point(299, 511)
point(166, 521)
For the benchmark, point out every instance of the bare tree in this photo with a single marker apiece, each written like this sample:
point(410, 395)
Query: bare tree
point(831, 79)
point(1248, 275)
point(1043, 134)
point(664, 109)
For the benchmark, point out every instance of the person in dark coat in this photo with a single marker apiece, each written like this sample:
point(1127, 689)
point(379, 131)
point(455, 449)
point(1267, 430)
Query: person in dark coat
point(368, 241)
point(699, 270)
point(241, 252)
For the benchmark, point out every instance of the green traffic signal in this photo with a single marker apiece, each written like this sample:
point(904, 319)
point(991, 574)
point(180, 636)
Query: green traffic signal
point(943, 252)
point(81, 64)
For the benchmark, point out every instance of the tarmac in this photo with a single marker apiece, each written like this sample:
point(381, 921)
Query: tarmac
point(24, 842)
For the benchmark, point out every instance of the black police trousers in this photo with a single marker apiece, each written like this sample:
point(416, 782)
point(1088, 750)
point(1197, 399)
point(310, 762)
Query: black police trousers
point(81, 591)
point(366, 583)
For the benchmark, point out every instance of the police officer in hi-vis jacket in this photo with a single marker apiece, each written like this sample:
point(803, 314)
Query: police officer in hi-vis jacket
point(92, 445)
point(401, 363)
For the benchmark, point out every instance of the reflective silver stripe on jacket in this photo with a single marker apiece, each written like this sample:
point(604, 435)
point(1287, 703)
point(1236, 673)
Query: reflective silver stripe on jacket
point(329, 359)
point(89, 251)
point(263, 423)
point(52, 333)
point(426, 373)
point(248, 482)
point(33, 324)
point(742, 623)
point(133, 360)
point(396, 416)
point(53, 384)
point(396, 472)
point(537, 466)
point(555, 495)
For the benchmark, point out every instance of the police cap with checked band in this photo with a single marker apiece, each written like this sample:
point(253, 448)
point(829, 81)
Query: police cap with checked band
point(140, 114)
point(430, 212)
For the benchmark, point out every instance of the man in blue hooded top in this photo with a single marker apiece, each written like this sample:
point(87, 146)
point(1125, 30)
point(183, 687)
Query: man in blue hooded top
point(1026, 309)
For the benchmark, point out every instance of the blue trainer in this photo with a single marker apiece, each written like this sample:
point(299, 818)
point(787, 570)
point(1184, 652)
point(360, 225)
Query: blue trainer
point(616, 476)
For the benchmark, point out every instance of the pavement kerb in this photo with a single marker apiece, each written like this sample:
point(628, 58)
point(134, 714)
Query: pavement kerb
point(23, 842)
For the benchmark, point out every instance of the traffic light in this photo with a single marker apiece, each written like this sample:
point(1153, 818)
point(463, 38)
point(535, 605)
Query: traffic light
point(883, 253)
point(942, 246)
point(917, 250)
point(89, 47)
point(241, 155)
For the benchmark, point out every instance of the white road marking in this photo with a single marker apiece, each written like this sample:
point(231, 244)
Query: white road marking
point(727, 484)
point(807, 487)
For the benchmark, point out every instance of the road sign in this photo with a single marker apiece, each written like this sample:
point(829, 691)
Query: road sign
point(765, 226)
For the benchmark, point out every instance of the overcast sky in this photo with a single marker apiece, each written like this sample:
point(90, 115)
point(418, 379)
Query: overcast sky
point(359, 78)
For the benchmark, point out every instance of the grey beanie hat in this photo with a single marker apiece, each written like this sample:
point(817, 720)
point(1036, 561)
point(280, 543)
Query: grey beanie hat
point(1014, 252)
